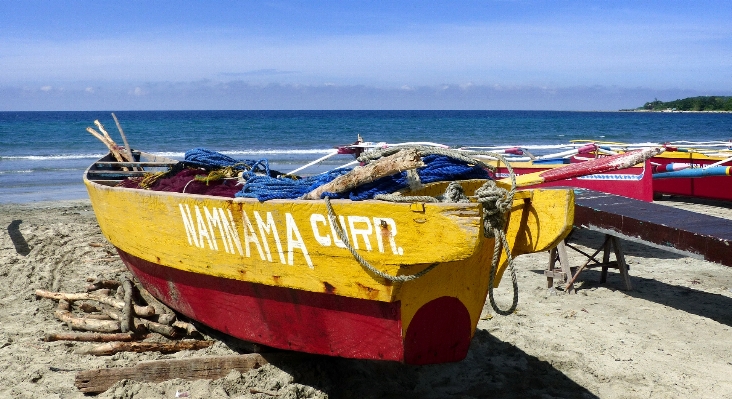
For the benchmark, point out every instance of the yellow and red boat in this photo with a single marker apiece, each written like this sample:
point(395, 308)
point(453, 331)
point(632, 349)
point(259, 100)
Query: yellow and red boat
point(279, 274)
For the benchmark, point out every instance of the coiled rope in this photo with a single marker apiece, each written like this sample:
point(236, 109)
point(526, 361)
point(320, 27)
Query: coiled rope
point(496, 203)
point(494, 221)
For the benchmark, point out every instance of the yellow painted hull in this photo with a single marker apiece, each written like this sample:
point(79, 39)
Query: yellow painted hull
point(290, 246)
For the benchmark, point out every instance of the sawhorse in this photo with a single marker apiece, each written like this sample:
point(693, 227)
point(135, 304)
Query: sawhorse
point(568, 276)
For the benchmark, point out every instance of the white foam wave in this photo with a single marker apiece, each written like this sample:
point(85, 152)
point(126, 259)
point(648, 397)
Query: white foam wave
point(256, 153)
point(51, 157)
point(280, 152)
point(172, 154)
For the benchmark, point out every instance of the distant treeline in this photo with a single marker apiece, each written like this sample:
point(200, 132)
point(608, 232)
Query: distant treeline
point(703, 103)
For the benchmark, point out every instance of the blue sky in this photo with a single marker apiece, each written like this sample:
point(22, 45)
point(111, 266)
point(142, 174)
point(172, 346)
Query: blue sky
point(491, 54)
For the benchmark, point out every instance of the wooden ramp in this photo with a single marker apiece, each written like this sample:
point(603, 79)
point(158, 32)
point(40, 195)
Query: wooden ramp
point(672, 229)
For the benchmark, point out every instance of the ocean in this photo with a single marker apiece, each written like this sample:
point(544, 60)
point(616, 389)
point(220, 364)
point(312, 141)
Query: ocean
point(43, 154)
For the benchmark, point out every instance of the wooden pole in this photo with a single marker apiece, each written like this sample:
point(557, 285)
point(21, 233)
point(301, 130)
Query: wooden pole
point(110, 144)
point(124, 140)
point(126, 323)
point(110, 348)
point(189, 328)
point(79, 323)
point(88, 336)
point(165, 315)
point(98, 284)
point(137, 323)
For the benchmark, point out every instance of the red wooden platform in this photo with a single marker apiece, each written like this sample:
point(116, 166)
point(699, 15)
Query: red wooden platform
point(676, 230)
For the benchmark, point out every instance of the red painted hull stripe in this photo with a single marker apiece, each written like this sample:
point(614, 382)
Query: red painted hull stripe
point(279, 317)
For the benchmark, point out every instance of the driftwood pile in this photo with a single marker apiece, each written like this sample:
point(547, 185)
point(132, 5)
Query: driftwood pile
point(120, 314)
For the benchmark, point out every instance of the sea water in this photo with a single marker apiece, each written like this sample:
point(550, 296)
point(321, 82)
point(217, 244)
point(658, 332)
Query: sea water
point(44, 154)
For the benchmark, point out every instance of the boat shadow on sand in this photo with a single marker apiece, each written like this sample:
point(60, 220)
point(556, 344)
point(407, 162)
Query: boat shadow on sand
point(492, 368)
point(685, 298)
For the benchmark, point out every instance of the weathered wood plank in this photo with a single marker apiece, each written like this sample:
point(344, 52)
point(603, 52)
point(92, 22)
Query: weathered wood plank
point(99, 380)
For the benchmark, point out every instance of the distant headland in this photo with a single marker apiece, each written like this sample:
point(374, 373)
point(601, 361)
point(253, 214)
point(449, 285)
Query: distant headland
point(690, 104)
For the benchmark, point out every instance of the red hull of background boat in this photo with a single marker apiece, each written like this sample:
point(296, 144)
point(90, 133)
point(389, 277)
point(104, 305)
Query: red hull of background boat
point(710, 187)
point(634, 183)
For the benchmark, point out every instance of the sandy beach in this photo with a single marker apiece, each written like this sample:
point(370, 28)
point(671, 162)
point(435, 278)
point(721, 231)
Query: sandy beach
point(670, 337)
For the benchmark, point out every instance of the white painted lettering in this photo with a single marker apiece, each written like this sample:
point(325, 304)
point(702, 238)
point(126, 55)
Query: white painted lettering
point(316, 218)
point(270, 228)
point(213, 221)
point(189, 226)
point(202, 230)
point(294, 240)
point(364, 232)
point(230, 232)
point(337, 239)
point(250, 236)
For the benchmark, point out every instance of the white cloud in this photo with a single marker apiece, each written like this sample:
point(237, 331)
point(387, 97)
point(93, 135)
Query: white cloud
point(241, 95)
point(558, 53)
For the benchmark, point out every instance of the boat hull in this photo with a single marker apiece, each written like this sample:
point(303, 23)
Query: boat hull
point(709, 187)
point(635, 182)
point(274, 273)
point(279, 317)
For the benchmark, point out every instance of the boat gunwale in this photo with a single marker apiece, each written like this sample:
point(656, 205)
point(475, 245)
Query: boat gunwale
point(89, 170)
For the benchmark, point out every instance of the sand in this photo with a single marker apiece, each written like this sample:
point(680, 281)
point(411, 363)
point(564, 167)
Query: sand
point(671, 337)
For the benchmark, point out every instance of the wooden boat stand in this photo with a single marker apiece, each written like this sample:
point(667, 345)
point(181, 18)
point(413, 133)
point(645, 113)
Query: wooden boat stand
point(568, 275)
point(670, 229)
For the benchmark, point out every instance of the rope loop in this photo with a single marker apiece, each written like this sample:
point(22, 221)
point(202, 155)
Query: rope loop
point(497, 202)
point(344, 237)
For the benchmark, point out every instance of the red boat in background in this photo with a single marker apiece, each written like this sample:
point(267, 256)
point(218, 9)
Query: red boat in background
point(696, 181)
point(635, 182)
point(691, 169)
